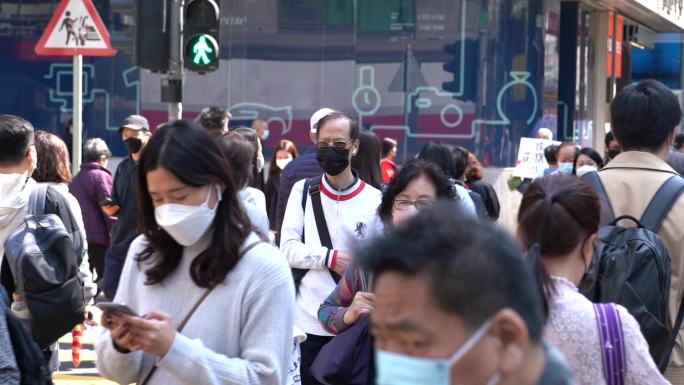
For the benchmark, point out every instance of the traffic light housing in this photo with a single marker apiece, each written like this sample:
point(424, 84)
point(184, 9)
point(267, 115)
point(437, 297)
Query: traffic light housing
point(151, 46)
point(201, 36)
point(463, 64)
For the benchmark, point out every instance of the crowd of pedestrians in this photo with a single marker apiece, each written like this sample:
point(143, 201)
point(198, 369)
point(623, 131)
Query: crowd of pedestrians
point(341, 265)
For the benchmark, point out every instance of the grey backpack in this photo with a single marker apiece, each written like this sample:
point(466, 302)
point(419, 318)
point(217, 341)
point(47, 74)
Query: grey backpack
point(43, 258)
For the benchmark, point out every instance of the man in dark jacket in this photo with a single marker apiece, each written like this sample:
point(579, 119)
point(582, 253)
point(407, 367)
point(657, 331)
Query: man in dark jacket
point(135, 132)
point(303, 167)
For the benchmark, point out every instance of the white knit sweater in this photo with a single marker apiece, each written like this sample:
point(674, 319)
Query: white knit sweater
point(240, 334)
point(352, 220)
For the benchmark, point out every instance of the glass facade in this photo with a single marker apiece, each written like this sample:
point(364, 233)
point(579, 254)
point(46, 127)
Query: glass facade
point(478, 73)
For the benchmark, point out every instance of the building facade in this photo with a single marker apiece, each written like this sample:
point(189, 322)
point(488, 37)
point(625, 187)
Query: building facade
point(477, 73)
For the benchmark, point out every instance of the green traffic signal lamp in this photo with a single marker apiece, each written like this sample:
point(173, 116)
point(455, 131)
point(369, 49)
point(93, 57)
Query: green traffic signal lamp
point(202, 53)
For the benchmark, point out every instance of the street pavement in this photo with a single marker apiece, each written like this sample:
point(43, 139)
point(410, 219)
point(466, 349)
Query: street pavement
point(86, 373)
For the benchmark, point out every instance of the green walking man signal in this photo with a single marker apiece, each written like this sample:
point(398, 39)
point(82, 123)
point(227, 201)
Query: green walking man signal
point(201, 49)
point(201, 53)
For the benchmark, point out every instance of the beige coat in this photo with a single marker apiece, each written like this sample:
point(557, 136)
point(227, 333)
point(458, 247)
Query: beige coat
point(631, 180)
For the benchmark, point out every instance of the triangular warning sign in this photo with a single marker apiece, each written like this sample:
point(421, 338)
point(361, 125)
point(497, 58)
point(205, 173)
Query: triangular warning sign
point(75, 29)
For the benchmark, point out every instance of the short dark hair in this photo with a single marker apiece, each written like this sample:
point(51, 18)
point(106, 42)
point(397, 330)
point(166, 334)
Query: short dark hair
point(191, 155)
point(53, 159)
point(679, 141)
point(439, 154)
point(387, 145)
point(16, 136)
point(644, 114)
point(460, 159)
point(591, 153)
point(214, 118)
point(551, 154)
point(413, 169)
point(473, 268)
point(354, 130)
point(239, 153)
point(608, 138)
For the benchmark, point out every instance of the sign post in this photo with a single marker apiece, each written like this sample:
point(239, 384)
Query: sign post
point(76, 29)
point(77, 128)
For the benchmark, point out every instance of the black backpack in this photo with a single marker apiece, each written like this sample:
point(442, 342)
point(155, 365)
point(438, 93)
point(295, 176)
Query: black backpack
point(43, 258)
point(631, 267)
point(32, 364)
point(313, 187)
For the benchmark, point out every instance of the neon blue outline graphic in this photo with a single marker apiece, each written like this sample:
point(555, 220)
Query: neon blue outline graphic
point(366, 85)
point(519, 77)
point(63, 98)
point(424, 103)
point(252, 110)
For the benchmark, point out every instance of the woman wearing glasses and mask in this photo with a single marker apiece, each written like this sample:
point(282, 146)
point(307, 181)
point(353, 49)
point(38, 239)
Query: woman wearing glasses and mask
point(418, 185)
point(214, 303)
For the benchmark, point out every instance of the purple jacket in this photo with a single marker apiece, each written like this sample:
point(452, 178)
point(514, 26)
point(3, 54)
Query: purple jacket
point(92, 185)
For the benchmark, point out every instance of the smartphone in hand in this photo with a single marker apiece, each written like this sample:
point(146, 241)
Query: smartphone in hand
point(114, 308)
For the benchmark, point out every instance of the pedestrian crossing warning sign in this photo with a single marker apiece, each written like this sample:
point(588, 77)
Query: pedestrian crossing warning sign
point(75, 29)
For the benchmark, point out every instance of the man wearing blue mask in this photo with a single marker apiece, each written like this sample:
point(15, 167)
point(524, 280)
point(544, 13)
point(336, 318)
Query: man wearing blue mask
point(455, 304)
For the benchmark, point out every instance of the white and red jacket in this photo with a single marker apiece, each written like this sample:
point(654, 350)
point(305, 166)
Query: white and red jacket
point(352, 219)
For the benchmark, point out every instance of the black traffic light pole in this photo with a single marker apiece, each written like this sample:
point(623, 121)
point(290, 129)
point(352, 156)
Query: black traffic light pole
point(174, 80)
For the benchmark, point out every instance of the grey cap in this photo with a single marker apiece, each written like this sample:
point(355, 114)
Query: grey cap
point(135, 122)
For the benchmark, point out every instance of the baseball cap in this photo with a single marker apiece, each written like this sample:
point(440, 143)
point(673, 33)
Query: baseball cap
point(318, 115)
point(135, 122)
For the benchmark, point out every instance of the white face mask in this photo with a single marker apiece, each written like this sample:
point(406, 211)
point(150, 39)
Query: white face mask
point(281, 163)
point(186, 224)
point(586, 169)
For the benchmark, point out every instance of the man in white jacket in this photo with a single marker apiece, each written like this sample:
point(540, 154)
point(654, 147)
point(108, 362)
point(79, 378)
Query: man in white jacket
point(350, 210)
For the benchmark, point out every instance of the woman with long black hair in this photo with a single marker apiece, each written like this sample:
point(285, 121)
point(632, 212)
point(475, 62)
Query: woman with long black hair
point(215, 302)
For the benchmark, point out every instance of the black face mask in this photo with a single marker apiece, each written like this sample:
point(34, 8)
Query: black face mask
point(613, 153)
point(133, 145)
point(333, 161)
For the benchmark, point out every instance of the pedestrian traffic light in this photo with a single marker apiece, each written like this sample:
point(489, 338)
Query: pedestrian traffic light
point(151, 37)
point(462, 63)
point(201, 36)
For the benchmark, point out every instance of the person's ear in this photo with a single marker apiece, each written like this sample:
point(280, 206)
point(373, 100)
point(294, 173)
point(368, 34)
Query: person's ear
point(513, 337)
point(671, 137)
point(588, 248)
point(32, 158)
point(355, 147)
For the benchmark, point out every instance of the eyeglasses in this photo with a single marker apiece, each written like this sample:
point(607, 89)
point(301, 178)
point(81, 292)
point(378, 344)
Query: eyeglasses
point(401, 204)
point(337, 145)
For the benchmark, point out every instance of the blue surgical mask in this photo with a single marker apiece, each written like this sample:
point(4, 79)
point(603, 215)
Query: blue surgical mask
point(565, 168)
point(400, 369)
point(265, 135)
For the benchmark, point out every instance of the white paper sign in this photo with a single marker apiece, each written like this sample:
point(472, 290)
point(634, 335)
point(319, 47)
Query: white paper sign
point(531, 161)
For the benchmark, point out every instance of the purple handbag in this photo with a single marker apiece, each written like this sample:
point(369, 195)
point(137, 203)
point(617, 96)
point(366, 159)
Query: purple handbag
point(612, 343)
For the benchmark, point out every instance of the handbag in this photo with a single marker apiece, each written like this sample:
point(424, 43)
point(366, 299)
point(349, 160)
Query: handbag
point(194, 307)
point(612, 343)
point(348, 358)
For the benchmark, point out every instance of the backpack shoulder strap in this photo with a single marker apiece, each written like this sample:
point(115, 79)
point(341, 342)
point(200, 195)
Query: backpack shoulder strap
point(607, 213)
point(38, 199)
point(321, 224)
point(307, 183)
point(612, 343)
point(662, 202)
point(319, 215)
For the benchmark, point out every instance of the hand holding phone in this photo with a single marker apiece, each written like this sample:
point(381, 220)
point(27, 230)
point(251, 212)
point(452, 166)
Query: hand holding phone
point(116, 308)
